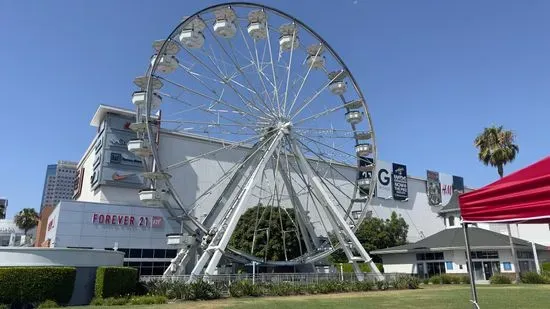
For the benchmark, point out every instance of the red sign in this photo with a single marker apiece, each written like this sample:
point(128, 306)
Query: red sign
point(51, 224)
point(127, 220)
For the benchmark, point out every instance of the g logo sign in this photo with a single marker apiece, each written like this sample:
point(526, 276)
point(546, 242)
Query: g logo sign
point(383, 177)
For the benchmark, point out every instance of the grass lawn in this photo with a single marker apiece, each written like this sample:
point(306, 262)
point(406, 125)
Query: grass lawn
point(440, 297)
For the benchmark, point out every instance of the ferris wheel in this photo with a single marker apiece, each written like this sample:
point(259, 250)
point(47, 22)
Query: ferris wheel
point(276, 119)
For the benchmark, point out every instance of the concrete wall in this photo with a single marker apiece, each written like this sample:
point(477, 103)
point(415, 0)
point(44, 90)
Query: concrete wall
point(191, 180)
point(75, 226)
point(85, 261)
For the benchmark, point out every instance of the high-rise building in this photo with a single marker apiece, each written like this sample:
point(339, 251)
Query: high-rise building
point(59, 183)
point(3, 207)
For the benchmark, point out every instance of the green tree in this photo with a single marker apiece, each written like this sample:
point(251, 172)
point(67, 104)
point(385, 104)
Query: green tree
point(376, 233)
point(268, 232)
point(26, 219)
point(497, 147)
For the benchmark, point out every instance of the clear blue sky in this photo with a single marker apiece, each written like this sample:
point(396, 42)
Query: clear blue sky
point(434, 72)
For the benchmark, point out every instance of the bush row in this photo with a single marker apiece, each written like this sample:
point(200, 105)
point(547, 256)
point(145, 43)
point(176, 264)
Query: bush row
point(535, 278)
point(448, 279)
point(500, 279)
point(133, 300)
point(115, 281)
point(205, 290)
point(198, 290)
point(33, 285)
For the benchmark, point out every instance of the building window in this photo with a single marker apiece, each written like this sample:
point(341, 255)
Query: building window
point(451, 221)
point(147, 253)
point(135, 253)
point(449, 265)
point(356, 214)
point(525, 255)
point(160, 253)
point(484, 254)
point(507, 266)
point(429, 256)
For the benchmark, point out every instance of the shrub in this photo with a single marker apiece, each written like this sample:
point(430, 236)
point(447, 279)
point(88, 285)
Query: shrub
point(402, 282)
point(48, 304)
point(465, 279)
point(147, 300)
point(533, 278)
point(115, 281)
point(456, 279)
point(436, 280)
point(500, 279)
point(426, 281)
point(202, 290)
point(382, 285)
point(23, 285)
point(546, 266)
point(244, 288)
point(4, 306)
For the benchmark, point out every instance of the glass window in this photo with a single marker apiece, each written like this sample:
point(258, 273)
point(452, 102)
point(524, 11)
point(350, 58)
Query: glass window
point(525, 255)
point(507, 265)
point(438, 256)
point(126, 252)
point(449, 265)
point(135, 253)
point(147, 253)
point(160, 253)
point(430, 256)
point(451, 221)
point(171, 253)
point(420, 257)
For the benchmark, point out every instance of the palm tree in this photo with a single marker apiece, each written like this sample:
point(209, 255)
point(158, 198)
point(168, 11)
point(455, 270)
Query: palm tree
point(26, 219)
point(496, 148)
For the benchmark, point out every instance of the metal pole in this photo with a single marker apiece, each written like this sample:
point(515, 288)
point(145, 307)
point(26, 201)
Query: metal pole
point(470, 265)
point(253, 272)
point(537, 265)
point(341, 272)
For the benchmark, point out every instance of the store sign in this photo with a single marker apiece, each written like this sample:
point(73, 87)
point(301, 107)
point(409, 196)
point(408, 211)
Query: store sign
point(127, 220)
point(446, 181)
point(364, 162)
point(6, 230)
point(400, 190)
point(51, 224)
point(458, 184)
point(433, 188)
point(384, 181)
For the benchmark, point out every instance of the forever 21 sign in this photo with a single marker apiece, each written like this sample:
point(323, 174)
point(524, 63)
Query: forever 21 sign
point(127, 220)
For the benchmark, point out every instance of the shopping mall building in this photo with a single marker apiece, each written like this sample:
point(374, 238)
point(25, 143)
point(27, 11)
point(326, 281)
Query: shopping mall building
point(107, 213)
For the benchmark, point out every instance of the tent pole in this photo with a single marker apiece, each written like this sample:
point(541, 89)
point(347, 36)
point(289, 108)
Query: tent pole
point(470, 265)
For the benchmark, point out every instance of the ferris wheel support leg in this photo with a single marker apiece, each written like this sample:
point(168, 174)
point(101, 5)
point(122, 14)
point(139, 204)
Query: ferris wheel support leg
point(337, 221)
point(304, 224)
point(219, 242)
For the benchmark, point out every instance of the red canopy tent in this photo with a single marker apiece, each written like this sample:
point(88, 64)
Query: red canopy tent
point(521, 197)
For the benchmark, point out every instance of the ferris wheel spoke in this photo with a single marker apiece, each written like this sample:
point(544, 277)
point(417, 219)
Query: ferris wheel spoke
point(323, 113)
point(198, 93)
point(288, 70)
point(237, 66)
point(257, 65)
point(224, 148)
point(328, 146)
point(276, 93)
point(227, 175)
point(302, 84)
point(203, 109)
point(317, 93)
point(224, 79)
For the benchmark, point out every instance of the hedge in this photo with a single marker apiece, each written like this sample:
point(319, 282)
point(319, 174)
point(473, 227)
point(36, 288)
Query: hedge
point(115, 281)
point(26, 285)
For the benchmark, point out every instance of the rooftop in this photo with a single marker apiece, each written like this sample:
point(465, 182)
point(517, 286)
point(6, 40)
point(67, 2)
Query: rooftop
point(453, 238)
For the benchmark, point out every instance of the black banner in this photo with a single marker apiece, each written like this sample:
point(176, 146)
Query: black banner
point(364, 162)
point(433, 188)
point(400, 190)
point(458, 184)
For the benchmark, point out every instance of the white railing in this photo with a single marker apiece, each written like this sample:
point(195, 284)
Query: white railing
point(298, 278)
